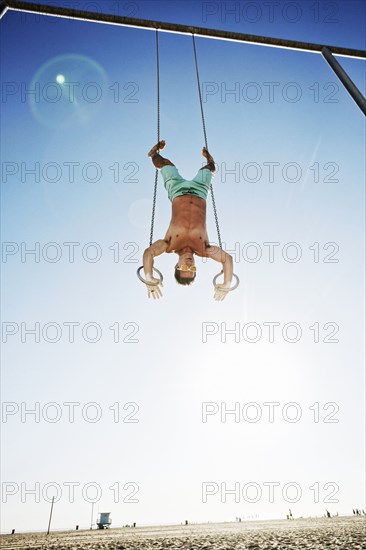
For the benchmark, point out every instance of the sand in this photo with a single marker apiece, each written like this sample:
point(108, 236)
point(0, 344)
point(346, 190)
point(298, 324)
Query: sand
point(346, 533)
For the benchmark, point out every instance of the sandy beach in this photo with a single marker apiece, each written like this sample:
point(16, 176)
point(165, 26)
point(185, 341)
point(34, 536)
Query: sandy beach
point(338, 533)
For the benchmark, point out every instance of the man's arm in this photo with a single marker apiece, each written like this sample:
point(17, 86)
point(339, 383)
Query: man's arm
point(225, 259)
point(157, 248)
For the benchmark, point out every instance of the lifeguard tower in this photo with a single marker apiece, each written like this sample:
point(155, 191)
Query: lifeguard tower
point(104, 521)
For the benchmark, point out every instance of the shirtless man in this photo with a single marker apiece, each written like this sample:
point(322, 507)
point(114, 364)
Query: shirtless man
point(187, 232)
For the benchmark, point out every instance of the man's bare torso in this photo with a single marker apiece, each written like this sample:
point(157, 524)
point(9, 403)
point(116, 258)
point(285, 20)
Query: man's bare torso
point(188, 225)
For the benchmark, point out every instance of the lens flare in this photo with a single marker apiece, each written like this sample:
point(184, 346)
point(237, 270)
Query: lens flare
point(69, 90)
point(60, 79)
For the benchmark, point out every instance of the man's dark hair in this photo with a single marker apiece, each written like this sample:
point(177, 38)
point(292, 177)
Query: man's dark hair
point(183, 280)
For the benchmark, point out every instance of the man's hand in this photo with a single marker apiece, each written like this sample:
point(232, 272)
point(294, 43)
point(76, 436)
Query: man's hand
point(226, 260)
point(153, 290)
point(157, 248)
point(221, 292)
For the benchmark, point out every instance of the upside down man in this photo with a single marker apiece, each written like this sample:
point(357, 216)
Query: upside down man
point(187, 232)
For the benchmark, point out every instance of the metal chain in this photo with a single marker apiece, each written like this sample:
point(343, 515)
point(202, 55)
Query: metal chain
point(158, 136)
point(205, 137)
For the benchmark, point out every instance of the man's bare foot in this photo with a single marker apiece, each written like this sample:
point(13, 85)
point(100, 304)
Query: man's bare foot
point(207, 156)
point(156, 148)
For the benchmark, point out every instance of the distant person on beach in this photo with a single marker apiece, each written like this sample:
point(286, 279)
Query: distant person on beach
point(187, 232)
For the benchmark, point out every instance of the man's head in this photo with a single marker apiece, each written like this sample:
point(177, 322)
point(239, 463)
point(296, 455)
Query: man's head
point(185, 272)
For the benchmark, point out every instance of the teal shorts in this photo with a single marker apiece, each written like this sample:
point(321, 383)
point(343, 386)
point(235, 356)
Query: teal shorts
point(178, 186)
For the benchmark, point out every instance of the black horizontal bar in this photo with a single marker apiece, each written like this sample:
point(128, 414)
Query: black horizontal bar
point(111, 19)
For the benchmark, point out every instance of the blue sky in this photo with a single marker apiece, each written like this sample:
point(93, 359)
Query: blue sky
point(95, 186)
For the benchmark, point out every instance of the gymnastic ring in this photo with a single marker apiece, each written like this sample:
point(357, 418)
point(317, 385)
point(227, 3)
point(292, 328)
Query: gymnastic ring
point(148, 282)
point(229, 289)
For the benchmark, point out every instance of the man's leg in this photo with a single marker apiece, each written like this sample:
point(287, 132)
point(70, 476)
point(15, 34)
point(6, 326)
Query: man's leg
point(157, 160)
point(210, 161)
